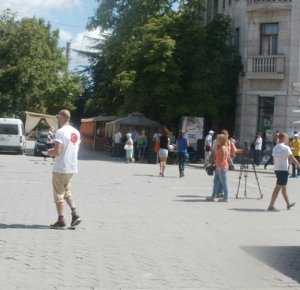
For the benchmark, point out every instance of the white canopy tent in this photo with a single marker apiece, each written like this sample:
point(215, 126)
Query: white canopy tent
point(33, 120)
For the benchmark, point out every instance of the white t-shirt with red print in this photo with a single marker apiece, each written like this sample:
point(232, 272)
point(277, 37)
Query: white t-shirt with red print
point(67, 161)
point(281, 154)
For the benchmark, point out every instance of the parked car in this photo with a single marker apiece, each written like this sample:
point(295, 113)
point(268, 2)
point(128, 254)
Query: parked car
point(41, 144)
point(12, 137)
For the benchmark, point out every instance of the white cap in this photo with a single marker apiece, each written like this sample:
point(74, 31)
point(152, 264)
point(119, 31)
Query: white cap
point(211, 132)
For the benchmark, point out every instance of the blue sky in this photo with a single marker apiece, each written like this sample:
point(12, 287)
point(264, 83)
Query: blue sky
point(70, 16)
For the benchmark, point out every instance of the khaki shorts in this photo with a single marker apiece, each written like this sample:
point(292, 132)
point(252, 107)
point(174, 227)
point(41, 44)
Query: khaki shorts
point(61, 186)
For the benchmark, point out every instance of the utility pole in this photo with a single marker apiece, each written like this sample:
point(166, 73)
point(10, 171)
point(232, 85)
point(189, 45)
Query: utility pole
point(68, 52)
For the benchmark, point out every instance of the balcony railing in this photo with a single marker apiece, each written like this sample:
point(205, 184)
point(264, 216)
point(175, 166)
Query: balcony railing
point(266, 67)
point(269, 4)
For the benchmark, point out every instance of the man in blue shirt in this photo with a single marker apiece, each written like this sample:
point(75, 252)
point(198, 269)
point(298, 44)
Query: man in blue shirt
point(182, 151)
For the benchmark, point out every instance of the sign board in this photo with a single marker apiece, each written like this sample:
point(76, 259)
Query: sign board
point(193, 127)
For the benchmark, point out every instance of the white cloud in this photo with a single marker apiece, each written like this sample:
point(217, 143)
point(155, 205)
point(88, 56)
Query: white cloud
point(31, 7)
point(84, 41)
point(87, 40)
point(81, 41)
point(65, 36)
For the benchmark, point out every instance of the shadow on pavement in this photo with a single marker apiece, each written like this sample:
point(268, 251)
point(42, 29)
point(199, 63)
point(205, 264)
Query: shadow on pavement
point(147, 175)
point(249, 210)
point(87, 155)
point(285, 259)
point(192, 200)
point(23, 227)
point(98, 156)
point(153, 175)
point(248, 198)
point(191, 196)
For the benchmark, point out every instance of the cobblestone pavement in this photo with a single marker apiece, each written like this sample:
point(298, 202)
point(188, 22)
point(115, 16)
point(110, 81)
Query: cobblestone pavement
point(143, 232)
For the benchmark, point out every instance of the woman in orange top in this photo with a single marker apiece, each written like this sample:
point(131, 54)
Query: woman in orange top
point(232, 149)
point(222, 155)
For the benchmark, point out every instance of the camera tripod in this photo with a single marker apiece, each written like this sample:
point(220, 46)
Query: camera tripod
point(244, 172)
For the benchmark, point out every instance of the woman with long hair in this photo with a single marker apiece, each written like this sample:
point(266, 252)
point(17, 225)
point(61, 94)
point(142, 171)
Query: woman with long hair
point(232, 149)
point(164, 143)
point(221, 157)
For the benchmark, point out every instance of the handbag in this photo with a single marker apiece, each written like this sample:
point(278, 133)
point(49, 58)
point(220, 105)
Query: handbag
point(127, 147)
point(210, 169)
point(207, 148)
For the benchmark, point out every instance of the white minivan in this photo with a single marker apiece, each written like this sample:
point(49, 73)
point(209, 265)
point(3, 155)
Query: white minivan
point(12, 138)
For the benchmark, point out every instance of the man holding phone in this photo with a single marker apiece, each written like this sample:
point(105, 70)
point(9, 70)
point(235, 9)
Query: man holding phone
point(65, 151)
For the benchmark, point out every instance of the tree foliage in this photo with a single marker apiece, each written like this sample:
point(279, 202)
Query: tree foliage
point(165, 61)
point(33, 69)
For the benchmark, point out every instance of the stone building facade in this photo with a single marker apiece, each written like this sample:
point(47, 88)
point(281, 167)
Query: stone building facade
point(267, 34)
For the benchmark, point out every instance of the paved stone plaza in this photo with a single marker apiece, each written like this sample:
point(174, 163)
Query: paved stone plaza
point(143, 232)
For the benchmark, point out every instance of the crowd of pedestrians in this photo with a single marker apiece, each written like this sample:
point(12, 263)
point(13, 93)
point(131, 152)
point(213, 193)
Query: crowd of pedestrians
point(138, 146)
point(285, 152)
point(220, 151)
point(133, 145)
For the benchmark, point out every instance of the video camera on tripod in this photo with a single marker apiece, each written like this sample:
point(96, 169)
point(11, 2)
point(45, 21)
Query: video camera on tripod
point(246, 157)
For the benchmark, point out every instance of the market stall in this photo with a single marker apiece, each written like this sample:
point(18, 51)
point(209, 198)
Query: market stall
point(135, 123)
point(131, 123)
point(93, 132)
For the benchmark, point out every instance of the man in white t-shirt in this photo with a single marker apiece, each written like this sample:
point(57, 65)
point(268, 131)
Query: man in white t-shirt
point(117, 144)
point(208, 146)
point(282, 155)
point(258, 145)
point(65, 151)
point(118, 138)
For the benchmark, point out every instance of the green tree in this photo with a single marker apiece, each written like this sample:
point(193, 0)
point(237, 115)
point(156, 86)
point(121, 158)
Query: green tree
point(165, 62)
point(33, 69)
point(122, 16)
point(149, 76)
point(210, 67)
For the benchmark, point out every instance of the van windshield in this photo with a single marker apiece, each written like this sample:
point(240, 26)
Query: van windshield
point(9, 129)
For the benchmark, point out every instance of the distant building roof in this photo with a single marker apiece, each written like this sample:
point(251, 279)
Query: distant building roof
point(136, 119)
point(32, 114)
point(99, 119)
